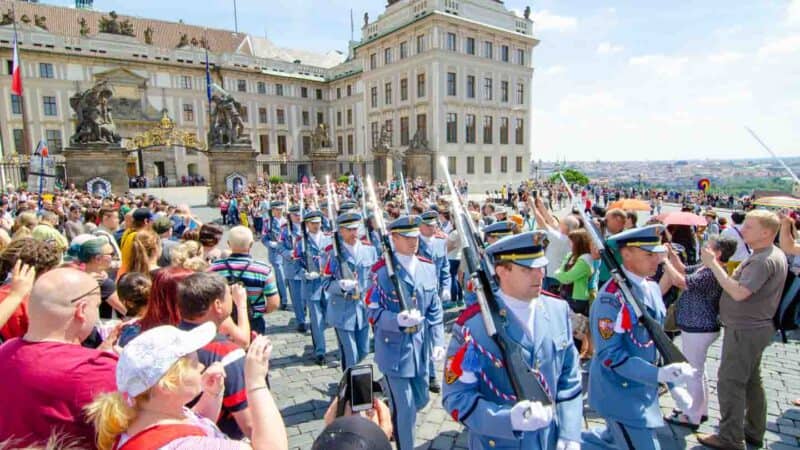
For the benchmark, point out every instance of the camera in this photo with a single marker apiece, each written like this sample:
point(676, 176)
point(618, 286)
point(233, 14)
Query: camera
point(357, 388)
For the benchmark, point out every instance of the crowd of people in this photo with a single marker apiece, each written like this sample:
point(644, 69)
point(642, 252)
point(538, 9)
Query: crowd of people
point(154, 328)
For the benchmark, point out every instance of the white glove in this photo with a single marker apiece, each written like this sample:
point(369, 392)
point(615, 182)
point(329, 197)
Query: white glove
point(683, 400)
point(311, 276)
point(347, 285)
point(530, 416)
point(566, 444)
point(438, 353)
point(675, 373)
point(273, 244)
point(445, 296)
point(409, 318)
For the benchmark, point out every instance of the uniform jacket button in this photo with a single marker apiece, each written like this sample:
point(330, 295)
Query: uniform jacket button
point(491, 443)
point(385, 339)
point(624, 384)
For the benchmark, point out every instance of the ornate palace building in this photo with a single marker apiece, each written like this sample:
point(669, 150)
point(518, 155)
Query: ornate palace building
point(447, 77)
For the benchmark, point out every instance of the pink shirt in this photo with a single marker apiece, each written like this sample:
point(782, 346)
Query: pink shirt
point(45, 385)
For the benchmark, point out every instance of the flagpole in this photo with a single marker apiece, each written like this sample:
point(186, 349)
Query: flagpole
point(25, 135)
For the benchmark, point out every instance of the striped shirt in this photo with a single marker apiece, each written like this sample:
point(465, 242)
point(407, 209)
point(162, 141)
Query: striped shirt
point(257, 277)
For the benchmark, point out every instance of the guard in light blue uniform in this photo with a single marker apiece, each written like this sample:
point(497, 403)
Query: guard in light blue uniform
point(346, 289)
point(326, 223)
point(271, 239)
point(293, 267)
point(312, 280)
point(433, 246)
point(477, 390)
point(491, 234)
point(400, 336)
point(623, 376)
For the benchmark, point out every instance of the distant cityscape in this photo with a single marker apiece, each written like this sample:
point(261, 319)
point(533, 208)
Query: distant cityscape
point(674, 173)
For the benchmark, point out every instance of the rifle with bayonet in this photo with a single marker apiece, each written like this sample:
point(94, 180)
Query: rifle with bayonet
point(668, 350)
point(268, 231)
point(365, 214)
point(405, 194)
point(388, 252)
point(307, 259)
point(524, 379)
point(344, 269)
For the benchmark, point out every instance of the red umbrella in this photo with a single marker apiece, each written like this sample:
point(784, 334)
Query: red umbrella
point(681, 218)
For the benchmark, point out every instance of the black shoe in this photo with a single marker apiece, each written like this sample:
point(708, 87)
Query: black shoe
point(301, 328)
point(435, 386)
point(320, 360)
point(753, 441)
point(284, 307)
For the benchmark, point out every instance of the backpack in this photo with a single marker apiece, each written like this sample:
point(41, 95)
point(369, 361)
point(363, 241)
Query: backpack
point(787, 315)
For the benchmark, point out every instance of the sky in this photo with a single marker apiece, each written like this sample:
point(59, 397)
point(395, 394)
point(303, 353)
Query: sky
point(613, 80)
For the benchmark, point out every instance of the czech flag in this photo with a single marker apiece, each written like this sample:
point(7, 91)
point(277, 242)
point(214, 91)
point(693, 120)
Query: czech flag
point(41, 149)
point(16, 71)
point(704, 184)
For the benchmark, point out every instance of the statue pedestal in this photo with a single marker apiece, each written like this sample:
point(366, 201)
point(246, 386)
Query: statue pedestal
point(323, 162)
point(382, 166)
point(88, 161)
point(419, 163)
point(230, 168)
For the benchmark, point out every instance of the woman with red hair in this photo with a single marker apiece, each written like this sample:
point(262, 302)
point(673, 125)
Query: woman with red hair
point(162, 305)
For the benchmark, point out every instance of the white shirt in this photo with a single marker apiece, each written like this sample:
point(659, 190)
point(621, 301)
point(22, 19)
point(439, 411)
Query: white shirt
point(409, 263)
point(556, 250)
point(352, 248)
point(741, 248)
point(523, 311)
point(316, 238)
point(651, 290)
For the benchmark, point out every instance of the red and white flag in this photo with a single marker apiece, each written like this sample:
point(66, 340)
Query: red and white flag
point(16, 71)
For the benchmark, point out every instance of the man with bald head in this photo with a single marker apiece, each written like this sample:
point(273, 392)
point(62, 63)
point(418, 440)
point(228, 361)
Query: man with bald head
point(46, 375)
point(257, 277)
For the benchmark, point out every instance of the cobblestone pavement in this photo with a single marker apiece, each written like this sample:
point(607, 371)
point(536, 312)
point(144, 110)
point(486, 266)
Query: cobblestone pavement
point(303, 390)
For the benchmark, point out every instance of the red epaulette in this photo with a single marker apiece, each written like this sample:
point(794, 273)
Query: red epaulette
point(424, 259)
point(439, 234)
point(551, 294)
point(468, 313)
point(365, 240)
point(612, 287)
point(378, 265)
point(329, 247)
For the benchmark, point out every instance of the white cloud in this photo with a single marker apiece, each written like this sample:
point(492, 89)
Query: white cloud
point(725, 57)
point(793, 12)
point(782, 46)
point(554, 70)
point(662, 65)
point(545, 20)
point(725, 99)
point(596, 103)
point(607, 48)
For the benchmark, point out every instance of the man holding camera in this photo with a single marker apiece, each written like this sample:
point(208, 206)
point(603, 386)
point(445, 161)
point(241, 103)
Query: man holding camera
point(345, 289)
point(401, 334)
point(478, 391)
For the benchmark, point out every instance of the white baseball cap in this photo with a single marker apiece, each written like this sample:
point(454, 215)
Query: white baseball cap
point(149, 356)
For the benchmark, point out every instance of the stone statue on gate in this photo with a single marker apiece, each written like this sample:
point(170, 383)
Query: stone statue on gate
point(320, 138)
point(385, 139)
point(227, 126)
point(418, 142)
point(93, 111)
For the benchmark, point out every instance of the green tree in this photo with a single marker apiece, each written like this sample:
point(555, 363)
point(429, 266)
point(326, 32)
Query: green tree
point(572, 176)
point(275, 179)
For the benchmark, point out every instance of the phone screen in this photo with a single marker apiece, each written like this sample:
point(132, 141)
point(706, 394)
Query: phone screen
point(361, 391)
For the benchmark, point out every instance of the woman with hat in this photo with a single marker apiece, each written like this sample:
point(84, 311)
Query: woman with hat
point(158, 373)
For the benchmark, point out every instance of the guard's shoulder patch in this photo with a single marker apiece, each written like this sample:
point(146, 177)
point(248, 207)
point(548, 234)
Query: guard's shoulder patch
point(606, 328)
point(550, 294)
point(468, 313)
point(378, 265)
point(424, 259)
